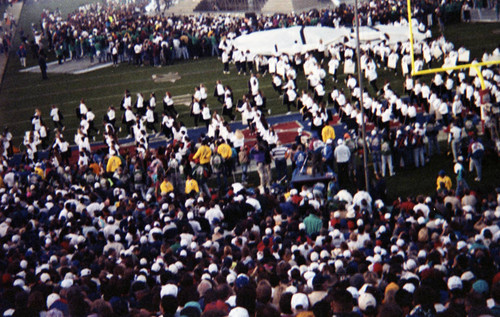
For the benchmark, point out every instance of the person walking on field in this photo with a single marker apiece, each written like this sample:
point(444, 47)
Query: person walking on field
point(342, 156)
point(476, 153)
point(22, 53)
point(42, 62)
point(258, 153)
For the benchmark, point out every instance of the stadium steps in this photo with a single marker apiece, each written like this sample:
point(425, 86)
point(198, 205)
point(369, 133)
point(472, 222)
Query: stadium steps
point(277, 6)
point(183, 7)
point(235, 6)
point(483, 15)
point(15, 9)
point(287, 6)
point(306, 5)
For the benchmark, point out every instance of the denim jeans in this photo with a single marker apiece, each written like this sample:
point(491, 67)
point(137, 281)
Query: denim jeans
point(280, 169)
point(376, 160)
point(433, 146)
point(455, 149)
point(477, 165)
point(418, 156)
point(221, 180)
point(244, 170)
point(264, 175)
point(387, 161)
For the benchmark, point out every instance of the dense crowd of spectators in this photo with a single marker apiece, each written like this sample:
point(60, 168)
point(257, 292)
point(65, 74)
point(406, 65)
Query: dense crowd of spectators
point(147, 231)
point(120, 33)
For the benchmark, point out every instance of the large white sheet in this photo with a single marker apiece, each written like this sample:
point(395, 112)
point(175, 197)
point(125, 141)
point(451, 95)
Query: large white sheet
point(288, 40)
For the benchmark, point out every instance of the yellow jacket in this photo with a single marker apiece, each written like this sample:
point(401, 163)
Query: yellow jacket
point(192, 184)
point(204, 153)
point(40, 172)
point(166, 187)
point(113, 163)
point(225, 151)
point(446, 180)
point(327, 133)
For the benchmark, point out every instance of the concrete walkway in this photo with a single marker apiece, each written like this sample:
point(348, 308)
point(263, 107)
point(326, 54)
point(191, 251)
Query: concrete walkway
point(484, 15)
point(73, 67)
point(15, 11)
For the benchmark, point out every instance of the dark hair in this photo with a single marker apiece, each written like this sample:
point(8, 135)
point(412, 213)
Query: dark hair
point(246, 297)
point(267, 310)
point(169, 304)
point(343, 298)
point(495, 292)
point(390, 310)
point(285, 303)
point(264, 292)
point(322, 309)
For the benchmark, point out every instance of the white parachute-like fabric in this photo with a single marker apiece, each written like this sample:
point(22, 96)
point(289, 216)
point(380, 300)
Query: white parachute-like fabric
point(289, 40)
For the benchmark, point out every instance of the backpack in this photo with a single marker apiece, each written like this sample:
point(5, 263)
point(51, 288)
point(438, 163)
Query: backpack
point(138, 176)
point(216, 162)
point(200, 173)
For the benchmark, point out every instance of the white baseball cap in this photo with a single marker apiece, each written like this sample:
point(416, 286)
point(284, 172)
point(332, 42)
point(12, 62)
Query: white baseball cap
point(366, 300)
point(169, 289)
point(299, 301)
point(238, 312)
point(454, 282)
point(52, 298)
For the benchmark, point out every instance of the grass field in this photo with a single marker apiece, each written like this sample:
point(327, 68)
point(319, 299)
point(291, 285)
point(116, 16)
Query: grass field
point(21, 93)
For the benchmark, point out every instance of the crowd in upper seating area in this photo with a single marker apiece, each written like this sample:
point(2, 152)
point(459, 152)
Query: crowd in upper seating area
point(97, 31)
point(143, 231)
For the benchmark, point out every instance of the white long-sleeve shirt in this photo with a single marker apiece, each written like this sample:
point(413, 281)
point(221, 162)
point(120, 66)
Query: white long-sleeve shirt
point(150, 117)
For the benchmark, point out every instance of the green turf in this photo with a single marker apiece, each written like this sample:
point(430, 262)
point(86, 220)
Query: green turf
point(478, 37)
point(423, 180)
point(21, 93)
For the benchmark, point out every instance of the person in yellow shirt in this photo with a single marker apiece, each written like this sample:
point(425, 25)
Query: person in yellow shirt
point(225, 151)
point(204, 153)
point(327, 133)
point(39, 171)
point(191, 185)
point(166, 187)
point(443, 180)
point(113, 163)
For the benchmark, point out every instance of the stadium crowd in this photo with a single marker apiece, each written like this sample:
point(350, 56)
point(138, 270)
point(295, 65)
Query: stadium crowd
point(119, 33)
point(142, 231)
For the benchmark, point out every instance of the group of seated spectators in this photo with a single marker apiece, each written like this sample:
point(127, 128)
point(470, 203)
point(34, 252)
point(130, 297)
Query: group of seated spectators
point(148, 231)
point(122, 238)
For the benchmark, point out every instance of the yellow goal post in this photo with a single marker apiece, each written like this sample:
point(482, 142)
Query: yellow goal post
point(414, 72)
